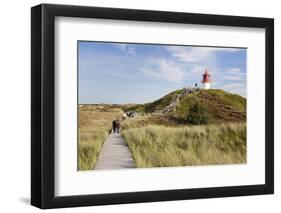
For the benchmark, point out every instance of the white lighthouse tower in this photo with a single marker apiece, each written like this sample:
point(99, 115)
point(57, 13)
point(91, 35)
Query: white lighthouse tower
point(206, 80)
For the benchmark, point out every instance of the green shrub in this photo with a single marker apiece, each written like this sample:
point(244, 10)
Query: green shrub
point(197, 114)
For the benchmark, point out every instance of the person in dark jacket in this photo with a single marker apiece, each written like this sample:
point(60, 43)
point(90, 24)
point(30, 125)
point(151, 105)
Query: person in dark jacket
point(114, 125)
point(118, 124)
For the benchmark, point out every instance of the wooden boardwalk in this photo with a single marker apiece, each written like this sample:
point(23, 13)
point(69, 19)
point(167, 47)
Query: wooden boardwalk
point(115, 154)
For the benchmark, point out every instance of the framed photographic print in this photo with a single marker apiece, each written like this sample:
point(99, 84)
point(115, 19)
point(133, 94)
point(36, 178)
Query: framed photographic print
point(139, 106)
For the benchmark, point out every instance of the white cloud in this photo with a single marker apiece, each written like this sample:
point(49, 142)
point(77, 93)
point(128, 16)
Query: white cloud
point(230, 74)
point(190, 54)
point(198, 69)
point(196, 54)
point(163, 69)
point(235, 71)
point(234, 85)
point(229, 78)
point(126, 48)
point(121, 46)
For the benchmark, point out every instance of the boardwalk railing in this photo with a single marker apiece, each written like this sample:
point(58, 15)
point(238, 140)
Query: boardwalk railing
point(176, 98)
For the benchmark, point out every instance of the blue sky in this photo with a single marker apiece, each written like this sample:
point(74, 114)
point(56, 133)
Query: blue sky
point(139, 73)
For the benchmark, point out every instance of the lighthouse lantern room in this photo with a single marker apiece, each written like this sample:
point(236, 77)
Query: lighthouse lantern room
point(206, 80)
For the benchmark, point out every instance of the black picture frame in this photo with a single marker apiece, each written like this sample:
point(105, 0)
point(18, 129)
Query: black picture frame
point(43, 101)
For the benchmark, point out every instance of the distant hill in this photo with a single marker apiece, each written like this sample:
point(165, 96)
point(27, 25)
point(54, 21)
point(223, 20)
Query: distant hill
point(216, 105)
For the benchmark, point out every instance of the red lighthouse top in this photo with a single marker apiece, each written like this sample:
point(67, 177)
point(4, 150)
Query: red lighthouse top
point(206, 77)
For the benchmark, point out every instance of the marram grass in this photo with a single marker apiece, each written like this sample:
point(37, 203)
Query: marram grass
point(160, 146)
point(94, 127)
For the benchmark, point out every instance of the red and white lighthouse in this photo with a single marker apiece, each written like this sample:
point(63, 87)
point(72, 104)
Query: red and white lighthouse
point(206, 80)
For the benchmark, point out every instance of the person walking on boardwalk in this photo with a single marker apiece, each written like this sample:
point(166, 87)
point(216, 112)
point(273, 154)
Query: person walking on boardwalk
point(118, 124)
point(114, 125)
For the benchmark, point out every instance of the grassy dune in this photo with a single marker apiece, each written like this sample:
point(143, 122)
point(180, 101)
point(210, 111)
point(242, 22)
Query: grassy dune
point(94, 126)
point(219, 106)
point(160, 146)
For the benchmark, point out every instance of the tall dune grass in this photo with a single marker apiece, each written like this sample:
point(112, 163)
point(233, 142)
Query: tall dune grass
point(94, 126)
point(150, 119)
point(160, 146)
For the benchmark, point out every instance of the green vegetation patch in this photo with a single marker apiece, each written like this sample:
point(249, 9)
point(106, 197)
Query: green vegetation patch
point(160, 103)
